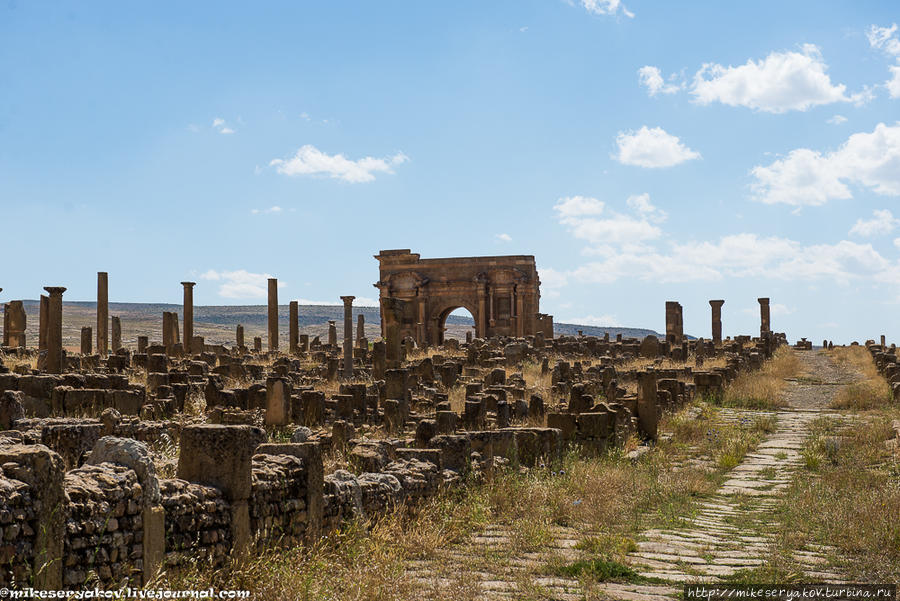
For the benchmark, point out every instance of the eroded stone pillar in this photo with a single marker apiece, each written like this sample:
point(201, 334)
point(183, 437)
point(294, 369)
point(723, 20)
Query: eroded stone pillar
point(294, 327)
point(764, 324)
point(648, 404)
point(43, 317)
point(348, 336)
point(674, 327)
point(273, 314)
point(116, 333)
point(239, 336)
point(717, 321)
point(188, 315)
point(102, 313)
point(54, 330)
point(86, 340)
point(360, 329)
point(332, 333)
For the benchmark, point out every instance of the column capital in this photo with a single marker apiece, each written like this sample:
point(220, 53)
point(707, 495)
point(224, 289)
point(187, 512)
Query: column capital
point(763, 301)
point(347, 299)
point(718, 303)
point(186, 284)
point(55, 290)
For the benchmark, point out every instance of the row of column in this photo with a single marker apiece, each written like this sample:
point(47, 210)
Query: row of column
point(675, 320)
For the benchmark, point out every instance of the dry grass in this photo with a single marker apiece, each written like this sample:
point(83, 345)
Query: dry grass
point(608, 500)
point(871, 392)
point(640, 363)
point(761, 389)
point(848, 497)
point(13, 361)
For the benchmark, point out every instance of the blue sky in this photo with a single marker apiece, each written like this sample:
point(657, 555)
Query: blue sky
point(643, 152)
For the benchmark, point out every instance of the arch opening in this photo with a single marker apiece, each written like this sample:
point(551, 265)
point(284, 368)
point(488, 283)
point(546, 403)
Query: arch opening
point(455, 322)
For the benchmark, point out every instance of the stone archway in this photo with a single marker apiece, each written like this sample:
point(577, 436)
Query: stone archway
point(502, 294)
point(441, 321)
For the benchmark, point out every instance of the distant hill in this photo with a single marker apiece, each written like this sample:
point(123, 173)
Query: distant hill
point(217, 323)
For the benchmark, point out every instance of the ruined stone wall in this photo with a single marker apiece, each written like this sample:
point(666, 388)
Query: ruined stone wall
point(278, 500)
point(104, 529)
point(18, 526)
point(197, 523)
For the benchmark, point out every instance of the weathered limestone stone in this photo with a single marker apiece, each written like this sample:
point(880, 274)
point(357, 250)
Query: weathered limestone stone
point(102, 313)
point(116, 333)
point(273, 314)
point(239, 336)
point(313, 404)
point(142, 344)
point(293, 327)
point(132, 454)
point(278, 402)
point(170, 331)
point(379, 359)
point(332, 333)
point(311, 455)
point(189, 316)
point(348, 336)
point(54, 330)
point(304, 343)
point(220, 456)
point(86, 340)
point(12, 408)
point(257, 344)
point(717, 321)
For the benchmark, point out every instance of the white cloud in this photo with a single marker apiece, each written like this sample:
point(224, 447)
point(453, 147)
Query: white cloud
point(884, 38)
point(240, 283)
point(217, 122)
point(642, 205)
point(609, 321)
point(226, 130)
point(652, 147)
point(504, 237)
point(893, 84)
point(809, 178)
point(606, 7)
point(359, 301)
point(576, 206)
point(309, 160)
point(837, 120)
point(269, 211)
point(652, 79)
point(781, 82)
point(882, 223)
point(551, 278)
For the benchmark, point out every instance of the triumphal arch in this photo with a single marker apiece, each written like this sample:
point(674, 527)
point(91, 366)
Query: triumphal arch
point(501, 293)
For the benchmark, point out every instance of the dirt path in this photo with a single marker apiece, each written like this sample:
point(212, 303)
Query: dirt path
point(730, 532)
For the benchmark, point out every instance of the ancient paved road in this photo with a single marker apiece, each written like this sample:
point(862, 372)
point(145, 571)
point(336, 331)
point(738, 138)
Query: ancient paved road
point(730, 531)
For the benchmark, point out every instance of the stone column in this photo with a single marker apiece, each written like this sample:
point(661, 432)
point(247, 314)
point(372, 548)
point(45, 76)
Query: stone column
point(239, 336)
point(717, 321)
point(332, 333)
point(54, 330)
point(86, 335)
point(273, 314)
point(348, 336)
point(43, 317)
point(360, 329)
point(294, 326)
point(647, 404)
point(116, 334)
point(764, 325)
point(188, 315)
point(102, 313)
